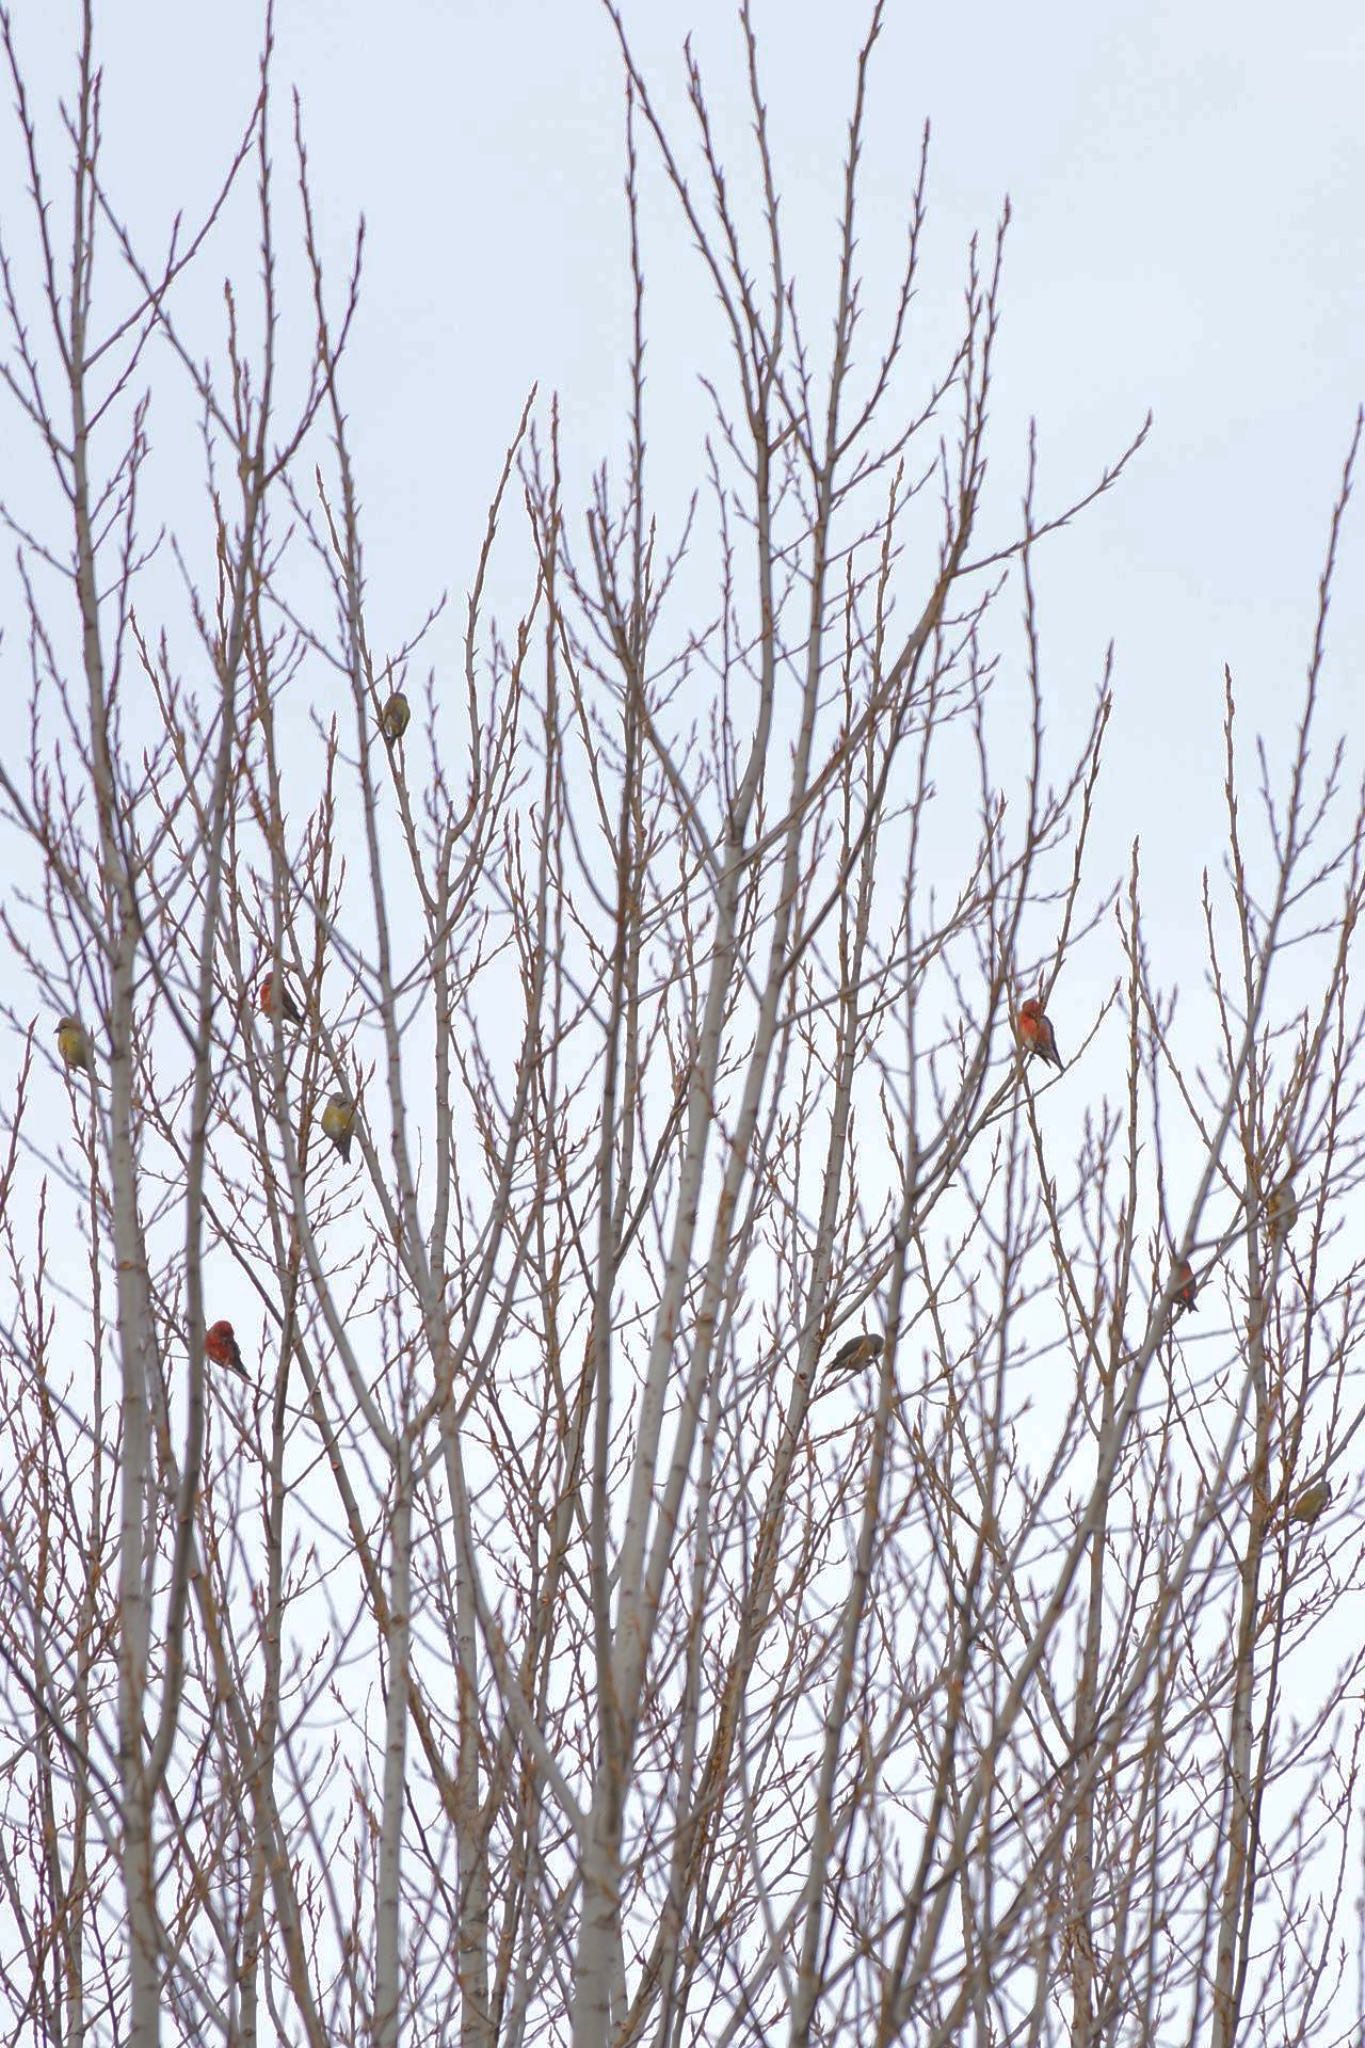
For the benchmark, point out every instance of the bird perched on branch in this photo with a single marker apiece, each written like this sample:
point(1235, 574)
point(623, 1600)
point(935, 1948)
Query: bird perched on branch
point(859, 1351)
point(1313, 1501)
point(1281, 1210)
point(394, 718)
point(283, 1005)
point(338, 1121)
point(1035, 1034)
point(73, 1043)
point(1186, 1292)
point(220, 1346)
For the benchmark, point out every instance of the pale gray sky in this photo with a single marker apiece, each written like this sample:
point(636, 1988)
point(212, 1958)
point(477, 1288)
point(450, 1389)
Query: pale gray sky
point(1189, 234)
point(1187, 181)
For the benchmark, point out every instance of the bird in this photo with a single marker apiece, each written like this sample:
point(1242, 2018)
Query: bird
point(857, 1352)
point(287, 1008)
point(1311, 1502)
point(73, 1043)
point(1186, 1291)
point(393, 719)
point(1035, 1034)
point(338, 1121)
point(1281, 1210)
point(221, 1346)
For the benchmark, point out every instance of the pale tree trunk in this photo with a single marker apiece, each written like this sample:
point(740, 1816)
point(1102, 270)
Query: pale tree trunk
point(388, 1984)
point(136, 1337)
point(476, 2021)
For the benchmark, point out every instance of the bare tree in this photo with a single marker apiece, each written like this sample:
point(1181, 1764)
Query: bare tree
point(635, 1449)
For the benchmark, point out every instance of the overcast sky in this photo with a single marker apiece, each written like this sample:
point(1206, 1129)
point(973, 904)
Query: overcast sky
point(1188, 185)
point(1189, 235)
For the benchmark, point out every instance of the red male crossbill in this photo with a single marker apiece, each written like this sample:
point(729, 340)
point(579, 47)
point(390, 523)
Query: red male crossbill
point(267, 1003)
point(1186, 1292)
point(221, 1346)
point(1035, 1034)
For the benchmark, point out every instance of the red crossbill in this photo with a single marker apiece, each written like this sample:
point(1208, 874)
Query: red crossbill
point(266, 1002)
point(338, 1121)
point(73, 1043)
point(1281, 1210)
point(1035, 1034)
point(857, 1352)
point(394, 718)
point(1186, 1292)
point(221, 1346)
point(1311, 1502)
